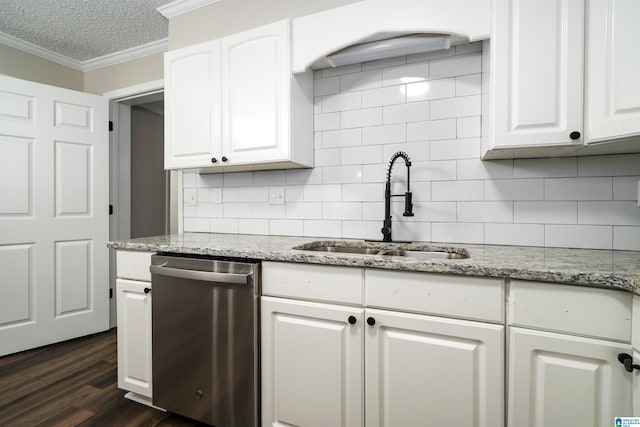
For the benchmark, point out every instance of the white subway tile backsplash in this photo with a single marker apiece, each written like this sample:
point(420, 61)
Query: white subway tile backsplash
point(403, 113)
point(514, 189)
point(223, 225)
point(453, 191)
point(429, 106)
point(342, 210)
point(469, 127)
point(362, 192)
point(469, 85)
point(361, 118)
point(196, 225)
point(626, 238)
point(406, 73)
point(545, 212)
point(478, 169)
point(486, 212)
point(342, 102)
point(361, 81)
point(300, 210)
point(323, 193)
point(431, 130)
point(341, 138)
point(253, 226)
point(455, 65)
point(454, 149)
point(328, 121)
point(579, 236)
point(614, 213)
point(448, 108)
point(578, 188)
point(389, 134)
point(361, 155)
point(613, 165)
point(326, 86)
point(383, 96)
point(626, 187)
point(545, 168)
point(342, 174)
point(459, 232)
point(286, 227)
point(514, 234)
point(444, 170)
point(322, 228)
point(361, 230)
point(434, 89)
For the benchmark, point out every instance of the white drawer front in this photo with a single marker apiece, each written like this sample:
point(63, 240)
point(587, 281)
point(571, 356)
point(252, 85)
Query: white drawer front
point(447, 295)
point(593, 312)
point(313, 282)
point(133, 265)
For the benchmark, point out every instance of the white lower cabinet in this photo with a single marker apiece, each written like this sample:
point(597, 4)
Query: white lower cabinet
point(424, 370)
point(311, 364)
point(134, 336)
point(345, 364)
point(558, 380)
point(133, 298)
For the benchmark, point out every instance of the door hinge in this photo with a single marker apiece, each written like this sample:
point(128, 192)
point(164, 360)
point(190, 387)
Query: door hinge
point(110, 209)
point(110, 126)
point(110, 293)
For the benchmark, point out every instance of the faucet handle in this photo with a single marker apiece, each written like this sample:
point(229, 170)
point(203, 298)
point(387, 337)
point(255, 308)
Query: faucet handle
point(408, 204)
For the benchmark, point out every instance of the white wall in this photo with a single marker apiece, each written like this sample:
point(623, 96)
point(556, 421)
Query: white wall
point(366, 112)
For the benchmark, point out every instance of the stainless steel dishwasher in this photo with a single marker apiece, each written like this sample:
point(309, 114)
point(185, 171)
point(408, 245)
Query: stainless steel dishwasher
point(205, 330)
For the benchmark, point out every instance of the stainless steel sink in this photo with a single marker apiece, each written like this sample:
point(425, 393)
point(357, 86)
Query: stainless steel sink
point(415, 251)
point(426, 254)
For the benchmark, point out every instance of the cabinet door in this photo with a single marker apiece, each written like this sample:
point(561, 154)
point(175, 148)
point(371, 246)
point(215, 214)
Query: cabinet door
point(192, 106)
point(422, 370)
point(311, 364)
point(557, 380)
point(256, 76)
point(613, 92)
point(134, 336)
point(536, 72)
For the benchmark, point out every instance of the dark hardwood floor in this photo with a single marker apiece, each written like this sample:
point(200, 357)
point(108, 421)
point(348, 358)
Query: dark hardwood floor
point(73, 383)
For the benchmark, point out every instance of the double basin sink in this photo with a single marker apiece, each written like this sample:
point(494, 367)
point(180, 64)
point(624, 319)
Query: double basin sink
point(408, 250)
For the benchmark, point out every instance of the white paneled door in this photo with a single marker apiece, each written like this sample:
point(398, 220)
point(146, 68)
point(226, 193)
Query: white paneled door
point(54, 168)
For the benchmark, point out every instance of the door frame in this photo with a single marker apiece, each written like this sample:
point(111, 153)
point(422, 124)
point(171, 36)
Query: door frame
point(120, 176)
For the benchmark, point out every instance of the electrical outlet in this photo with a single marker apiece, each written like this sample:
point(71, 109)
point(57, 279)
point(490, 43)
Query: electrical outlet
point(276, 195)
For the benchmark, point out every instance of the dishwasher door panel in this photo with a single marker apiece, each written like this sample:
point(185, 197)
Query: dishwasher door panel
point(204, 350)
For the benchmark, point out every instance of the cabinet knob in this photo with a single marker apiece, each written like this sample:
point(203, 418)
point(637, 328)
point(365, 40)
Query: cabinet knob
point(574, 135)
point(627, 361)
point(371, 321)
point(198, 394)
point(147, 290)
point(224, 158)
point(214, 160)
point(352, 320)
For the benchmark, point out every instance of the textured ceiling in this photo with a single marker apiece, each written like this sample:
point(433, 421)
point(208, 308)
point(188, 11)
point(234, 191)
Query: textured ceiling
point(84, 29)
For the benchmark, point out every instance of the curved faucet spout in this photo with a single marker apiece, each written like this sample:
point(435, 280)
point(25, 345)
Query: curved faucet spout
point(408, 203)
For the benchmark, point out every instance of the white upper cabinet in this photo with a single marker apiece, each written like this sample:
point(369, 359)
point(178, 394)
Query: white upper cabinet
point(613, 67)
point(233, 104)
point(536, 73)
point(192, 105)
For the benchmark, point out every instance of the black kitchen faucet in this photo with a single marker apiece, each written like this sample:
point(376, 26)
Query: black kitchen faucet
point(408, 204)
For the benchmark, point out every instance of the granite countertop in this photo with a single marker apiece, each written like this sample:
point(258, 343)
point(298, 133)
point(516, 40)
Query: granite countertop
point(600, 268)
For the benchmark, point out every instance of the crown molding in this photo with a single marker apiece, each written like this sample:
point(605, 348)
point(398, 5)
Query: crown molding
point(40, 51)
point(158, 46)
point(179, 7)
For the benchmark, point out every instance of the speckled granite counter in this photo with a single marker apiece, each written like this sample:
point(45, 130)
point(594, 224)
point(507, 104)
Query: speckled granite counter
point(601, 268)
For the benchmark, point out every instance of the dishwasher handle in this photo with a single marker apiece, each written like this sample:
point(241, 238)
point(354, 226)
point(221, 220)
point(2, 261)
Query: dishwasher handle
point(208, 276)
